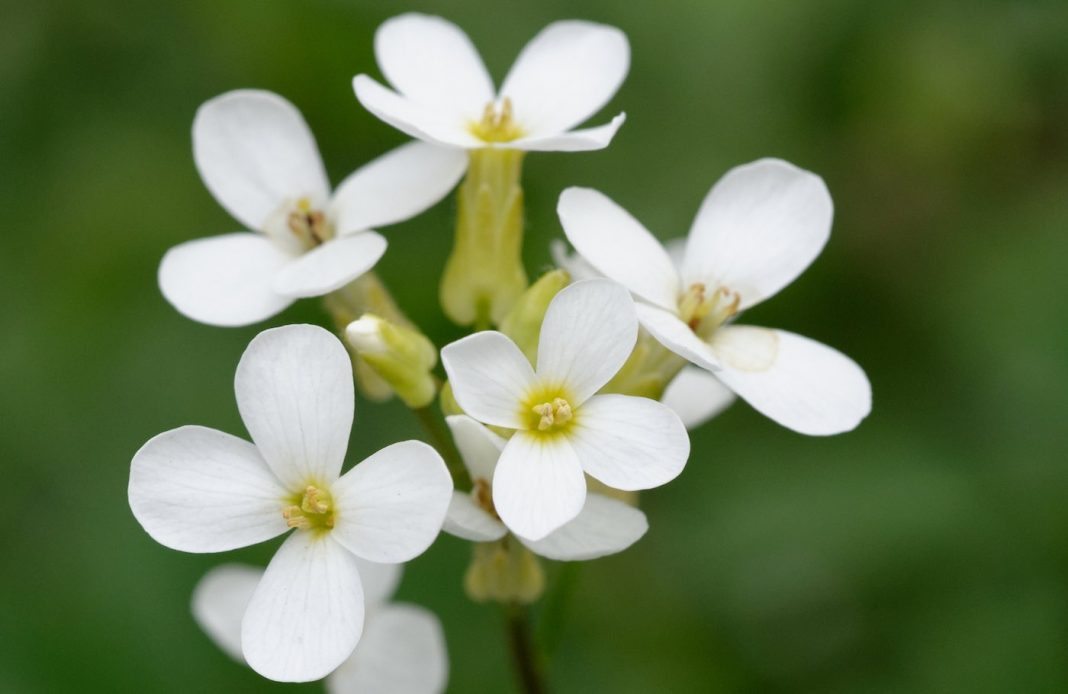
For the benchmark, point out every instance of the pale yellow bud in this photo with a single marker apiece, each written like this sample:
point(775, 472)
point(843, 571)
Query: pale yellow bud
point(402, 356)
point(523, 321)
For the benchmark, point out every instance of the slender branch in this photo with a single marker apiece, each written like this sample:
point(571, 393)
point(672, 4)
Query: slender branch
point(524, 657)
point(439, 436)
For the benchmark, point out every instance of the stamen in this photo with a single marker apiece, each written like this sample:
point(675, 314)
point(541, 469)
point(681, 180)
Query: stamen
point(704, 313)
point(497, 124)
point(556, 413)
point(483, 495)
point(309, 225)
point(312, 509)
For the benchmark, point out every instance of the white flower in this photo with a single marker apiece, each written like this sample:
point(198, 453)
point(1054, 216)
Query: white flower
point(402, 650)
point(259, 159)
point(696, 395)
point(196, 489)
point(759, 227)
point(604, 526)
point(561, 427)
point(444, 93)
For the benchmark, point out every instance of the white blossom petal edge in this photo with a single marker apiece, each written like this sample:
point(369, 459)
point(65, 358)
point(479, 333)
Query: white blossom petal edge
point(199, 490)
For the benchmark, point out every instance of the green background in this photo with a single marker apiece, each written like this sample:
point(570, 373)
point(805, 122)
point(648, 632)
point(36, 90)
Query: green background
point(925, 552)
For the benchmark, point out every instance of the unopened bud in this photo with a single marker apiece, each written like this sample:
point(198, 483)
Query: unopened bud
point(402, 356)
point(504, 571)
point(523, 321)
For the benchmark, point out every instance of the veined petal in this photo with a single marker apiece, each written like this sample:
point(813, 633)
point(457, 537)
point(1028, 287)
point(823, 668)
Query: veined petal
point(295, 394)
point(379, 581)
point(489, 377)
point(415, 119)
point(467, 520)
point(605, 526)
point(670, 331)
point(538, 485)
point(219, 602)
point(391, 506)
point(224, 280)
point(759, 227)
point(630, 443)
point(479, 447)
point(196, 489)
point(431, 61)
point(330, 266)
point(618, 246)
point(588, 332)
point(565, 74)
point(696, 396)
point(306, 615)
point(396, 186)
point(585, 140)
point(801, 384)
point(254, 152)
point(402, 652)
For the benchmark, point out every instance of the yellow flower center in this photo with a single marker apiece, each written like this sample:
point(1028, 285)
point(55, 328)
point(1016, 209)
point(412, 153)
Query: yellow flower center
point(497, 124)
point(311, 510)
point(547, 410)
point(309, 225)
point(704, 311)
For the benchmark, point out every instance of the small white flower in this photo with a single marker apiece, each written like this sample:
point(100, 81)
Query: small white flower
point(402, 650)
point(259, 160)
point(196, 489)
point(696, 395)
point(561, 427)
point(444, 93)
point(759, 227)
point(604, 526)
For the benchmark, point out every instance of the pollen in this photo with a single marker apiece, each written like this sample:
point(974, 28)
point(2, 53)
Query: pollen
point(497, 124)
point(704, 311)
point(308, 224)
point(313, 509)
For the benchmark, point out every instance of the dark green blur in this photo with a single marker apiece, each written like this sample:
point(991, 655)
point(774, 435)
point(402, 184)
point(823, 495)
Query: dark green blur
point(925, 552)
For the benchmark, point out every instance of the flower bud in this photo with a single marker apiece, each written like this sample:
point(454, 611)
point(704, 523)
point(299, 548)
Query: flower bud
point(402, 356)
point(484, 274)
point(504, 571)
point(523, 321)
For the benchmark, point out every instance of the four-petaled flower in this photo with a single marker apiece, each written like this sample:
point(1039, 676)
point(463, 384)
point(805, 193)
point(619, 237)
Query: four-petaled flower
point(759, 227)
point(402, 650)
point(561, 428)
point(604, 526)
point(196, 489)
point(444, 93)
point(259, 159)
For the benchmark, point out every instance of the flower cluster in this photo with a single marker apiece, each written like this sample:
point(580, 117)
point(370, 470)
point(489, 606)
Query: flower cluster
point(571, 393)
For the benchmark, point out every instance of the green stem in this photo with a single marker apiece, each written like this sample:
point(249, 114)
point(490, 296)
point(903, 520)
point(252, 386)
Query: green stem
point(524, 657)
point(439, 436)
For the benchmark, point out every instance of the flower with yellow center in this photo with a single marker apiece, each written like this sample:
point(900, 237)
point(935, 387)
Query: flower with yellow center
point(259, 159)
point(561, 428)
point(196, 489)
point(444, 94)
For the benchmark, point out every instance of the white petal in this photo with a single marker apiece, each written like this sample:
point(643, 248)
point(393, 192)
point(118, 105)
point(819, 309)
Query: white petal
point(466, 520)
point(196, 489)
point(696, 396)
point(618, 246)
point(670, 331)
point(402, 652)
point(538, 485)
point(391, 506)
point(801, 384)
point(219, 602)
point(759, 227)
point(224, 280)
point(630, 443)
point(489, 377)
point(588, 332)
point(585, 140)
point(432, 62)
point(254, 152)
point(565, 74)
point(578, 267)
point(306, 615)
point(676, 250)
point(295, 394)
point(396, 186)
point(605, 526)
point(331, 265)
point(479, 447)
point(379, 581)
point(420, 121)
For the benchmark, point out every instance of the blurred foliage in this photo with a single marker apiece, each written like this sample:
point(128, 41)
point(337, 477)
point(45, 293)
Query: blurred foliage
point(925, 552)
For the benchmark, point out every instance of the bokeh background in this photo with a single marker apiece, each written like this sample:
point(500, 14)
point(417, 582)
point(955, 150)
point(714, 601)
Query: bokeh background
point(925, 552)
